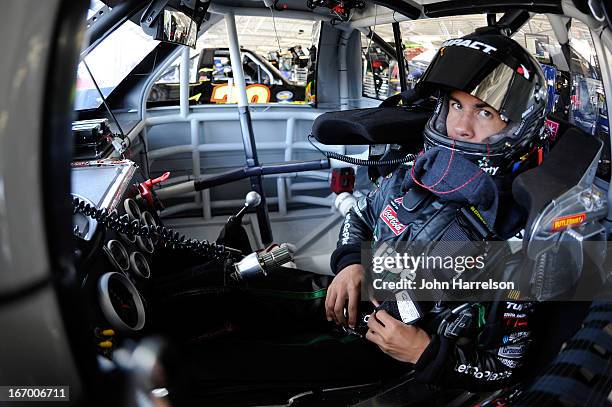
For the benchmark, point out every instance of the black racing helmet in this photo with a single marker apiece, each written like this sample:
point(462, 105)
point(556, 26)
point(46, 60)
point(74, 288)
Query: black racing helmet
point(501, 73)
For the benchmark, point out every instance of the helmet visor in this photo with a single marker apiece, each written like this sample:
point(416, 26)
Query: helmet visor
point(507, 89)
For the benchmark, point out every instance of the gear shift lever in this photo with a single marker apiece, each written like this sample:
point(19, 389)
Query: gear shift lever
point(252, 200)
point(233, 234)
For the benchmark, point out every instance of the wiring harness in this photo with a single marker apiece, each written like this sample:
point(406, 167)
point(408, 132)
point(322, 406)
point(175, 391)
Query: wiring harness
point(172, 239)
point(368, 163)
point(331, 155)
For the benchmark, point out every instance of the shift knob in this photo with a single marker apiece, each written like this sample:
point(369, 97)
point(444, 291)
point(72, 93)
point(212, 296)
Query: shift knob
point(252, 200)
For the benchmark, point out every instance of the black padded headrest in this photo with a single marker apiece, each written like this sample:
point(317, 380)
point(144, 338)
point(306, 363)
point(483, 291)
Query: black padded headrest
point(379, 125)
point(567, 162)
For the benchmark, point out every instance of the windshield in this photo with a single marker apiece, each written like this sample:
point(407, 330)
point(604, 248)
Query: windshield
point(272, 69)
point(110, 62)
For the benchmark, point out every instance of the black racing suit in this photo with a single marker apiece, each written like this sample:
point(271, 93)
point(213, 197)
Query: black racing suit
point(492, 358)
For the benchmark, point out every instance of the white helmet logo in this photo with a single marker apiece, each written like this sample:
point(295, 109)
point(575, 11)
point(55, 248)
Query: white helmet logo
point(480, 46)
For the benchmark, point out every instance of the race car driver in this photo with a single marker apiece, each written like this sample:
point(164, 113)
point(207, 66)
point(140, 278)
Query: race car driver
point(485, 129)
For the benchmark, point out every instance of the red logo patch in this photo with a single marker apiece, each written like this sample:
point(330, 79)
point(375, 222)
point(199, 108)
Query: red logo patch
point(553, 127)
point(389, 216)
point(566, 221)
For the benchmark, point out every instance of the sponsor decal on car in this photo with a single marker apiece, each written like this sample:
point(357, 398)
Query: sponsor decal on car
point(566, 221)
point(284, 96)
point(256, 93)
point(389, 216)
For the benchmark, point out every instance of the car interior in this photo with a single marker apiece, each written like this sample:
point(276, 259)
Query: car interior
point(199, 191)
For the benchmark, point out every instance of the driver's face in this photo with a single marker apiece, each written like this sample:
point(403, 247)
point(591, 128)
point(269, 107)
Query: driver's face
point(470, 119)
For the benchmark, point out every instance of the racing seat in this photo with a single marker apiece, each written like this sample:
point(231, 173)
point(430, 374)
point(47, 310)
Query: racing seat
point(570, 165)
point(563, 169)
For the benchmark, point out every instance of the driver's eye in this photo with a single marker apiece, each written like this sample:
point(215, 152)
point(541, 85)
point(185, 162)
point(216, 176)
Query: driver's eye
point(485, 113)
point(456, 105)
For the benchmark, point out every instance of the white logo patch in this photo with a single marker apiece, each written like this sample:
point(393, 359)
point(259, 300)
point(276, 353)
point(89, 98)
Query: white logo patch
point(480, 46)
point(490, 170)
point(510, 363)
point(512, 351)
point(345, 229)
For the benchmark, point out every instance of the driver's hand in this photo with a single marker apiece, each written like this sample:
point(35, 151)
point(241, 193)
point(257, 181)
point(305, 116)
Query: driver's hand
point(345, 286)
point(402, 342)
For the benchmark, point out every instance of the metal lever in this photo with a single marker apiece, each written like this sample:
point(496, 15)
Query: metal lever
point(252, 200)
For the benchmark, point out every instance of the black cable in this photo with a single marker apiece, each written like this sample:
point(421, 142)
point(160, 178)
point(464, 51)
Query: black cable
point(365, 163)
point(171, 238)
point(399, 52)
point(146, 154)
point(123, 137)
point(104, 100)
point(369, 163)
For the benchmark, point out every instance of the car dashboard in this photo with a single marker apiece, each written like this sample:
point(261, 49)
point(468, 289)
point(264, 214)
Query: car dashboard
point(114, 267)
